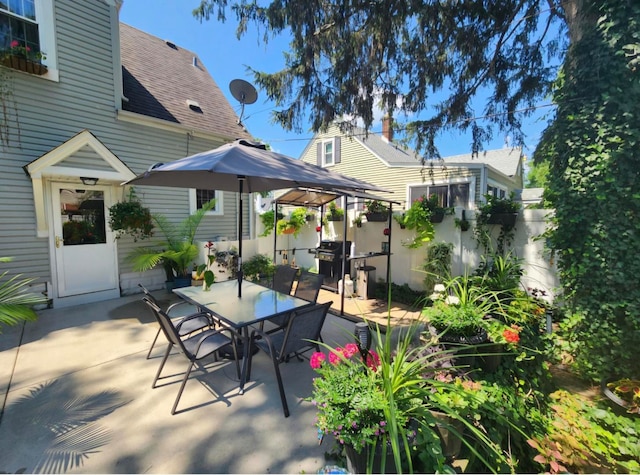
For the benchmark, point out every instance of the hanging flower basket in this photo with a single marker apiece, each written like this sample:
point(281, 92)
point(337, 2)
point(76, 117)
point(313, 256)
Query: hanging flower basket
point(380, 217)
point(24, 64)
point(437, 216)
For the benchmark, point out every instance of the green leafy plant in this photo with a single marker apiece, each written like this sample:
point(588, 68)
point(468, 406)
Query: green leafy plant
point(177, 250)
point(16, 301)
point(294, 223)
point(267, 221)
point(490, 213)
point(258, 267)
point(399, 218)
point(22, 50)
point(418, 218)
point(335, 213)
point(464, 321)
point(357, 221)
point(132, 218)
point(437, 264)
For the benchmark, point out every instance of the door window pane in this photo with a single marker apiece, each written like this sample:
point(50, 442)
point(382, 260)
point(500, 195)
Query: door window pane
point(83, 217)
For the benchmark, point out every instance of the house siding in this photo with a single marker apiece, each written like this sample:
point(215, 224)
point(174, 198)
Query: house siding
point(51, 112)
point(359, 162)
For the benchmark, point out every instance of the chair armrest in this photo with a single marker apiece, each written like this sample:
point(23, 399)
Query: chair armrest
point(195, 316)
point(174, 305)
point(263, 336)
point(210, 334)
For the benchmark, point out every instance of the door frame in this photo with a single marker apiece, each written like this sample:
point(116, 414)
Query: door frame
point(110, 194)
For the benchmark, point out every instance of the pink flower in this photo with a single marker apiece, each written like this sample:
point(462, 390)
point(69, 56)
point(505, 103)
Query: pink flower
point(316, 359)
point(336, 355)
point(350, 349)
point(15, 43)
point(373, 360)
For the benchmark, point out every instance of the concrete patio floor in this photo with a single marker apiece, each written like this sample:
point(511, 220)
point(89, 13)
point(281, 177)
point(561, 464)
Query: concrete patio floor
point(77, 398)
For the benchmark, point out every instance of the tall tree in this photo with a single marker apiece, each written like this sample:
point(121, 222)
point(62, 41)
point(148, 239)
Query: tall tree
point(437, 59)
point(430, 58)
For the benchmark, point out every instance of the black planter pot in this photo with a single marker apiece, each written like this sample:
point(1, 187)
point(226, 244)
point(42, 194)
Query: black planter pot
point(181, 282)
point(437, 216)
point(490, 357)
point(377, 217)
point(357, 462)
point(504, 219)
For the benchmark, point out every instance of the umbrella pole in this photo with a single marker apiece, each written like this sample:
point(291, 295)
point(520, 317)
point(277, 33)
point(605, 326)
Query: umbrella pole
point(240, 185)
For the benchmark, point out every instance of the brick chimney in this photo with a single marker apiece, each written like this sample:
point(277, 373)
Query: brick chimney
point(387, 129)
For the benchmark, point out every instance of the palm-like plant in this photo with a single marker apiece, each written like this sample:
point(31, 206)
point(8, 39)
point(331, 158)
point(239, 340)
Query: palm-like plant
point(16, 302)
point(177, 250)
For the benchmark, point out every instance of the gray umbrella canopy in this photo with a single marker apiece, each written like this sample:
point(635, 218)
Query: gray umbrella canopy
point(245, 167)
point(261, 170)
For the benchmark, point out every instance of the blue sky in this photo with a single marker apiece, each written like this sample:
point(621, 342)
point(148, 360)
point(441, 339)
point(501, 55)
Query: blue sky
point(227, 58)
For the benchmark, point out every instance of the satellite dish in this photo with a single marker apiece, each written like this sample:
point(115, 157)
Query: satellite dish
point(244, 93)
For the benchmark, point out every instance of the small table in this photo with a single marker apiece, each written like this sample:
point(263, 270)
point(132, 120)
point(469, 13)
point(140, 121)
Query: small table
point(256, 305)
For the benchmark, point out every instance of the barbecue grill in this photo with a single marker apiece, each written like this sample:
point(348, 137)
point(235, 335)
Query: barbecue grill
point(329, 255)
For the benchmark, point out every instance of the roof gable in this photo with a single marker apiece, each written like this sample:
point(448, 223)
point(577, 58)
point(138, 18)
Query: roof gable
point(164, 81)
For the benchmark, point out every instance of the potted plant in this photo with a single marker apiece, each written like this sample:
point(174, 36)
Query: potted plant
point(357, 221)
point(294, 223)
point(258, 268)
point(418, 219)
point(500, 211)
point(399, 218)
point(461, 323)
point(376, 211)
point(370, 414)
point(130, 217)
point(21, 57)
point(177, 251)
point(462, 223)
point(267, 221)
point(335, 213)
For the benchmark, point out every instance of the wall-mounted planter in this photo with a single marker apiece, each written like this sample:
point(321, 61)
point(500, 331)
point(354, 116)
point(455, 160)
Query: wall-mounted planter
point(24, 64)
point(377, 217)
point(505, 219)
point(437, 216)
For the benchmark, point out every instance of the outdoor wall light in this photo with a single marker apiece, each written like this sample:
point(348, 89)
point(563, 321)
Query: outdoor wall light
point(88, 180)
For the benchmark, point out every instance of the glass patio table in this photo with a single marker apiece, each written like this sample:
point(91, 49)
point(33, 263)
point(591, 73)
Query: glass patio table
point(256, 305)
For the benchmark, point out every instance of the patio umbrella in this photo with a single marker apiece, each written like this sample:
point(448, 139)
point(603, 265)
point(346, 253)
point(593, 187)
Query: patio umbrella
point(245, 167)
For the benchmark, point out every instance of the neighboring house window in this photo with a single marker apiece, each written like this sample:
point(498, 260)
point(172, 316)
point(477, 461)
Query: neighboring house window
point(30, 24)
point(496, 191)
point(328, 152)
point(449, 195)
point(197, 198)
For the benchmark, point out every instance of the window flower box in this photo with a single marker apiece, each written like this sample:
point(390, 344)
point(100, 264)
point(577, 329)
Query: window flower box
point(23, 64)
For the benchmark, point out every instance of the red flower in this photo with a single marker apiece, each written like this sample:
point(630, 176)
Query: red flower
point(318, 228)
point(511, 336)
point(386, 231)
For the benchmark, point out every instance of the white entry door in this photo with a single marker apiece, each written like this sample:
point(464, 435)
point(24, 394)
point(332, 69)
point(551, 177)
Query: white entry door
point(85, 253)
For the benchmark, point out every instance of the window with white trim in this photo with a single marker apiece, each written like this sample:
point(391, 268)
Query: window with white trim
point(198, 198)
point(327, 153)
point(449, 194)
point(27, 28)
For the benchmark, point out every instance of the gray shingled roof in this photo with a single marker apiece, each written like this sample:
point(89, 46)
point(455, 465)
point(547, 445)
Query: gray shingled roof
point(158, 79)
point(505, 160)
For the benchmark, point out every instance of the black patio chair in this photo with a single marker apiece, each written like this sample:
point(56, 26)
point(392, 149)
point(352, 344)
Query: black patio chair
point(307, 288)
point(298, 337)
point(283, 278)
point(177, 311)
point(194, 348)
